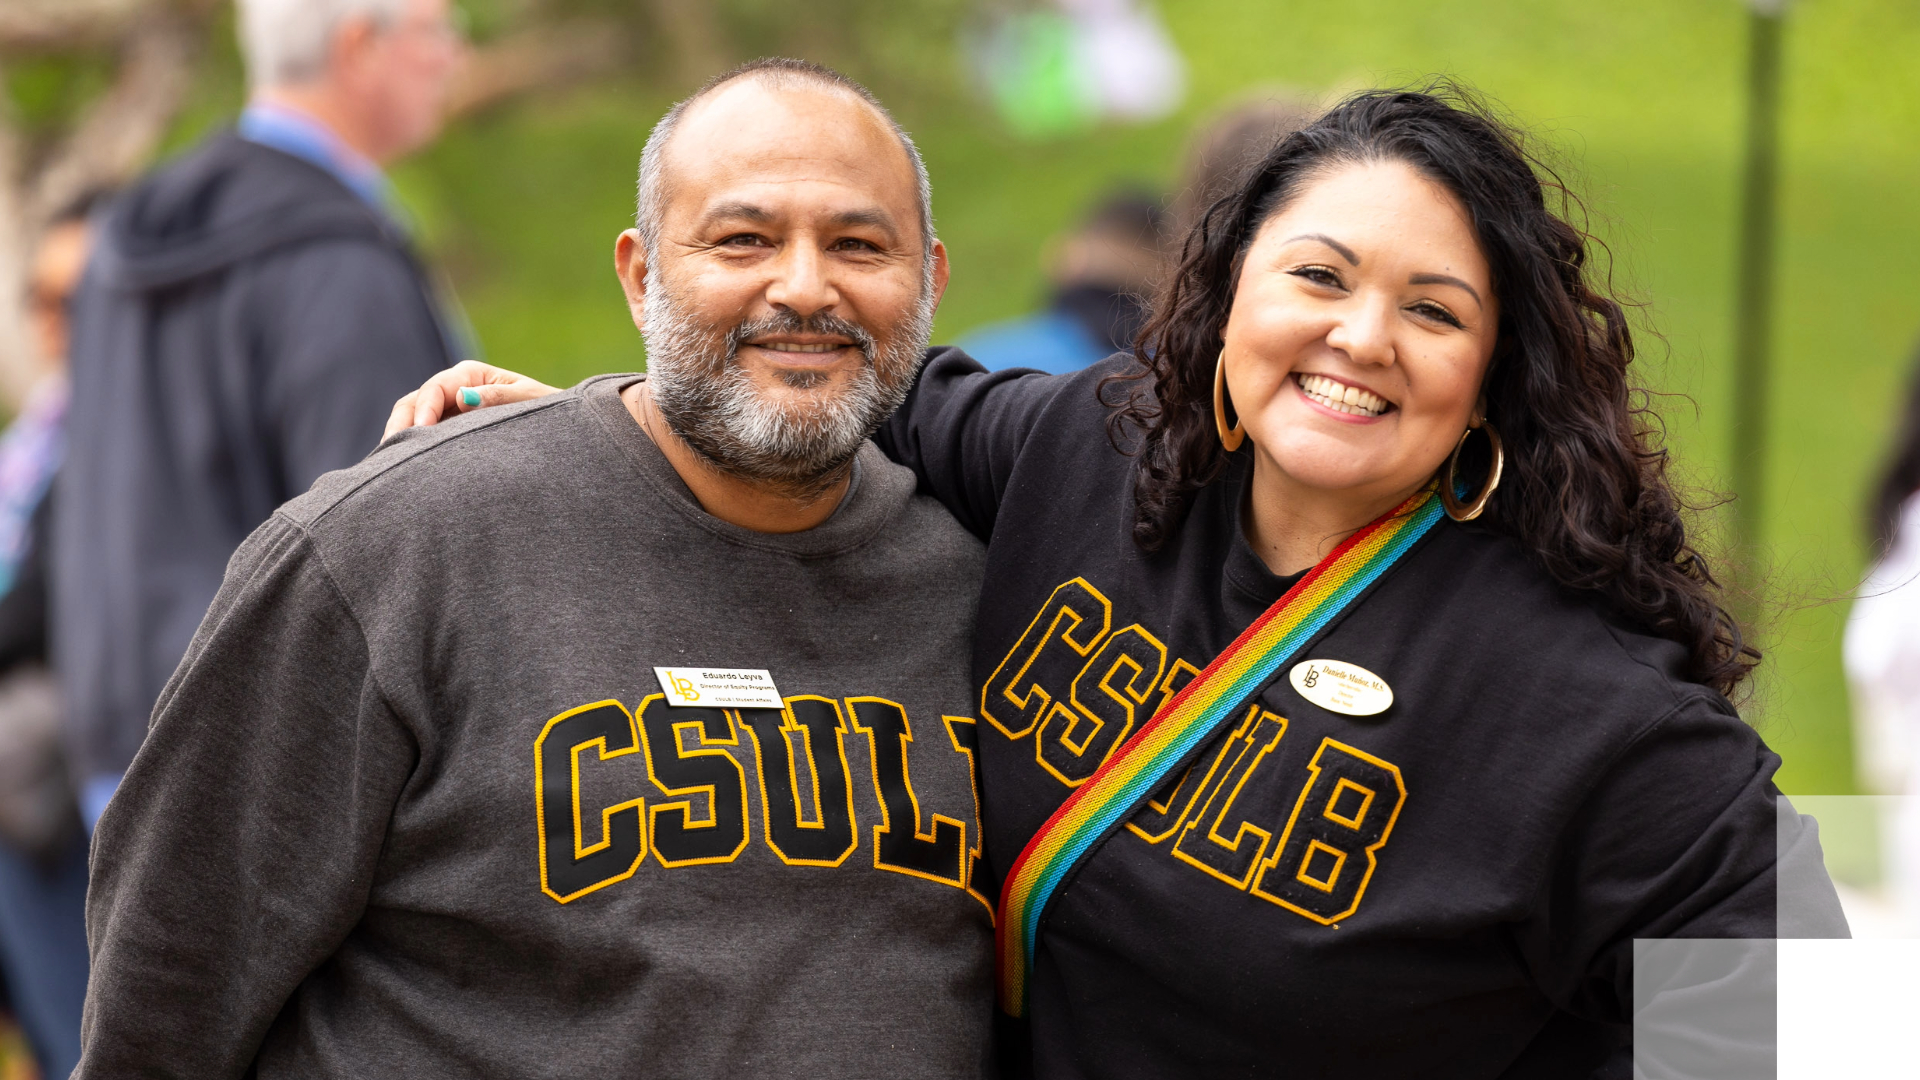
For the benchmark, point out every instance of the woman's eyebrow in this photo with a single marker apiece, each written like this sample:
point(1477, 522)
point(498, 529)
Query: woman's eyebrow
point(1446, 279)
point(1345, 251)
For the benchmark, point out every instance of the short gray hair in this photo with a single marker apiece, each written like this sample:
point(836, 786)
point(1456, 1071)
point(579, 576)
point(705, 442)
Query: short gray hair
point(781, 72)
point(286, 41)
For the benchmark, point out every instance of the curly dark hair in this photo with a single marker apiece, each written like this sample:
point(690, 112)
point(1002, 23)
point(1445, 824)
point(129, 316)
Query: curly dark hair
point(1585, 487)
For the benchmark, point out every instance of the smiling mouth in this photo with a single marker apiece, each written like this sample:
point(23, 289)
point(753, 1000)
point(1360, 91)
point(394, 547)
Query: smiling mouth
point(1341, 398)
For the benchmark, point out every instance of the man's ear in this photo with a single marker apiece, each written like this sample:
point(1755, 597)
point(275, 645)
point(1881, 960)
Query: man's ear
point(353, 43)
point(630, 264)
point(941, 272)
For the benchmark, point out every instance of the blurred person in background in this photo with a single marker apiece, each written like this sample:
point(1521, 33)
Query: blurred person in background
point(252, 309)
point(1101, 275)
point(1224, 149)
point(1882, 656)
point(43, 850)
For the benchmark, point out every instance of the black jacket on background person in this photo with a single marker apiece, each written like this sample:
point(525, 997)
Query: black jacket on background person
point(245, 326)
point(1450, 888)
point(23, 608)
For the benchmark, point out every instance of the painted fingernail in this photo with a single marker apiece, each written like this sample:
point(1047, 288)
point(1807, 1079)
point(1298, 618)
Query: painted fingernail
point(469, 397)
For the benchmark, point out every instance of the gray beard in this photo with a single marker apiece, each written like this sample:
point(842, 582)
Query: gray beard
point(800, 449)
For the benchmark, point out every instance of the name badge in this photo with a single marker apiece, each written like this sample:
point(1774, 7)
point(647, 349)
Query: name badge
point(1338, 686)
point(719, 688)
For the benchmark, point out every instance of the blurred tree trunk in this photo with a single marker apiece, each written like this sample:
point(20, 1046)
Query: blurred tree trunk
point(153, 44)
point(538, 56)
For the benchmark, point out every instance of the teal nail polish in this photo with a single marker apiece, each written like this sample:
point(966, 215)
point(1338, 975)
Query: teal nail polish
point(469, 397)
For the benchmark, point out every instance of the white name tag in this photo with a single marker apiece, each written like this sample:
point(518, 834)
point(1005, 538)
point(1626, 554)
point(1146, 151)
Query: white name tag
point(719, 688)
point(1338, 686)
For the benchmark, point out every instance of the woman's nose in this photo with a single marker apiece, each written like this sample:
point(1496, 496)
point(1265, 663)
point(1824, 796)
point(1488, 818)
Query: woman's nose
point(1364, 332)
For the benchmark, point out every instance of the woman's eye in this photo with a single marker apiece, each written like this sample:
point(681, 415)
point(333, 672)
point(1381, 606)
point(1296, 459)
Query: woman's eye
point(1319, 275)
point(1438, 314)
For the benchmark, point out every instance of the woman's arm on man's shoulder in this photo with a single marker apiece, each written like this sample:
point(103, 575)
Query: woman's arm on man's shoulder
point(464, 387)
point(962, 428)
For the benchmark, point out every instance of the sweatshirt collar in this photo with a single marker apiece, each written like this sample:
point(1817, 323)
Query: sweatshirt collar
point(293, 132)
point(1244, 569)
point(879, 494)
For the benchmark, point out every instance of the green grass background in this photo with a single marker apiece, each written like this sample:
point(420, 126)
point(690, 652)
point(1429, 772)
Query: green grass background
point(1639, 100)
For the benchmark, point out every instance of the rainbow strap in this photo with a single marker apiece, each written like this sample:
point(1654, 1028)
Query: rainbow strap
point(1097, 807)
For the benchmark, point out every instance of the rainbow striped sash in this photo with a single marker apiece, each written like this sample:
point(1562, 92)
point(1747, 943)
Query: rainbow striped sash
point(1118, 788)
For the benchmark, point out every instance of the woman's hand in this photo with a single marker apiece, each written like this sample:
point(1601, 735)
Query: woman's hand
point(463, 387)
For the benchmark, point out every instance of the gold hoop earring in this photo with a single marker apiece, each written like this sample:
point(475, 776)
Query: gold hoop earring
point(1231, 438)
point(1469, 511)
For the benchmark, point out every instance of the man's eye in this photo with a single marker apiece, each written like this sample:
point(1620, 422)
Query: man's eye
point(851, 243)
point(744, 240)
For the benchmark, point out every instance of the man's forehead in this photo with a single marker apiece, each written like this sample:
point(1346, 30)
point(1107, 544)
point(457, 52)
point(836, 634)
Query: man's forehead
point(761, 137)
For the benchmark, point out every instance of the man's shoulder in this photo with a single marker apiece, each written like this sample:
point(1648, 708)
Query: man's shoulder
point(925, 529)
point(243, 176)
point(458, 468)
point(224, 202)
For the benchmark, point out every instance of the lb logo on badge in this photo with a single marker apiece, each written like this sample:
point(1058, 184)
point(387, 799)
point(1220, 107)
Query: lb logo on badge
point(682, 688)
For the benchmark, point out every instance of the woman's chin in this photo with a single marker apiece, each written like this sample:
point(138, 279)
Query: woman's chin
point(1329, 476)
point(1340, 468)
point(1327, 460)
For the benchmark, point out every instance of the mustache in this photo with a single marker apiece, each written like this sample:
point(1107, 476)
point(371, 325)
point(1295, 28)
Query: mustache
point(784, 321)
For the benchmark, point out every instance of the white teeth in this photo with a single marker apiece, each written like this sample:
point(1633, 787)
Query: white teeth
point(1340, 397)
point(783, 346)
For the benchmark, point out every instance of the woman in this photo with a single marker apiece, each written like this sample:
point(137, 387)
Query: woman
point(1883, 657)
point(1474, 739)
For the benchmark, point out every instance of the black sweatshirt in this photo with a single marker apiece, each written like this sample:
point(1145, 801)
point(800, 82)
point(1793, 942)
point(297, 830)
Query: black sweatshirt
point(245, 326)
point(1449, 888)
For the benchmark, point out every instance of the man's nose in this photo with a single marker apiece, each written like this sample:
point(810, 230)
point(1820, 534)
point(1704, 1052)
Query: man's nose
point(1364, 331)
point(803, 281)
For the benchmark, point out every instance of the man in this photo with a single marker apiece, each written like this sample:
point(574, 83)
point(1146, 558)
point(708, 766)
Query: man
point(625, 733)
point(247, 307)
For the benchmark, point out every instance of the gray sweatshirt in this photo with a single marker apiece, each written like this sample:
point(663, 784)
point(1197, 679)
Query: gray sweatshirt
point(415, 804)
